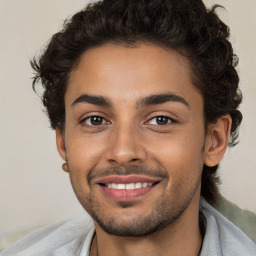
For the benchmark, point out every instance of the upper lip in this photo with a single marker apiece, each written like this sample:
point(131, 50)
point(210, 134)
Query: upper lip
point(126, 179)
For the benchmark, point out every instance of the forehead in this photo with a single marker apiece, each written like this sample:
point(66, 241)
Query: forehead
point(127, 74)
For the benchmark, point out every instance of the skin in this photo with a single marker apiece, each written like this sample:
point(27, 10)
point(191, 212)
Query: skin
point(129, 139)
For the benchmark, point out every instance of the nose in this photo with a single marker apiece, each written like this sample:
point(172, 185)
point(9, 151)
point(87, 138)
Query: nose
point(126, 146)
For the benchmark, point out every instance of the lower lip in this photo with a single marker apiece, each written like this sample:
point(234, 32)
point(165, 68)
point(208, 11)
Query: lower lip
point(125, 194)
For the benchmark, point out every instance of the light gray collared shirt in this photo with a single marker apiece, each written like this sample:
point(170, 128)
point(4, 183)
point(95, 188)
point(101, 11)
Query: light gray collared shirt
point(73, 238)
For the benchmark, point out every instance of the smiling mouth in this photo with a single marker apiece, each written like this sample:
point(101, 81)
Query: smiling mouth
point(129, 186)
point(123, 192)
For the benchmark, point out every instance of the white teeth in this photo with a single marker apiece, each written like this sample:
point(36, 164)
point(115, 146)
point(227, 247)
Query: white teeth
point(120, 186)
point(144, 185)
point(113, 185)
point(128, 186)
point(138, 185)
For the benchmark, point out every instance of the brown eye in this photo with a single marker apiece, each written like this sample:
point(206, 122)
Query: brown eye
point(161, 120)
point(94, 120)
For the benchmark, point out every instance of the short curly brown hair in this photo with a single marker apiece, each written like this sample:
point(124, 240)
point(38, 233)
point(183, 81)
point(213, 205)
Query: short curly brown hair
point(185, 26)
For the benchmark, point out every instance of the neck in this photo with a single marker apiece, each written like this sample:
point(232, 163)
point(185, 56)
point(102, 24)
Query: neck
point(183, 237)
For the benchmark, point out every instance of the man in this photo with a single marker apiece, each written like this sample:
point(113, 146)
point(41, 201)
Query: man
point(143, 96)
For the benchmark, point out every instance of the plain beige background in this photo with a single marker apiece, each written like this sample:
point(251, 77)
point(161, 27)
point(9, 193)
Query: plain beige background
point(33, 188)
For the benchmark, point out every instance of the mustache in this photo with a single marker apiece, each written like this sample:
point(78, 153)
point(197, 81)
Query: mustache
point(132, 169)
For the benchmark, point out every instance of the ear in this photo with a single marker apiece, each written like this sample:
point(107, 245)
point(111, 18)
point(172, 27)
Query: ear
point(60, 143)
point(61, 148)
point(217, 140)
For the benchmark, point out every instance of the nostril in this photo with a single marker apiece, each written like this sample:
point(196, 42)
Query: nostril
point(135, 160)
point(129, 161)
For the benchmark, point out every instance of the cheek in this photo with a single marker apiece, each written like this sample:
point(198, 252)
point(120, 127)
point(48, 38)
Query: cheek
point(184, 166)
point(83, 155)
point(84, 149)
point(181, 153)
point(183, 145)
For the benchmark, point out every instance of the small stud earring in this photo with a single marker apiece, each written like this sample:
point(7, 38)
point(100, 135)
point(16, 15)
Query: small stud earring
point(65, 167)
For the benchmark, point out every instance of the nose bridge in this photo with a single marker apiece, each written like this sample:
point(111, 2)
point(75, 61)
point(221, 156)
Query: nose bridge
point(125, 145)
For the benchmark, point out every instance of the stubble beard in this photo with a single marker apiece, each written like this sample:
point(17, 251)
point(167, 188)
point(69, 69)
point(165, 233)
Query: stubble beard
point(165, 212)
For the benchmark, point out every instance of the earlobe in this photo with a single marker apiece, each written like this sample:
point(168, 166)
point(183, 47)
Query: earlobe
point(65, 167)
point(60, 143)
point(61, 148)
point(217, 140)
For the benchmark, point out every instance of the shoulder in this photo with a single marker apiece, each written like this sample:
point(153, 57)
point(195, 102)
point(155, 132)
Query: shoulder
point(222, 237)
point(244, 219)
point(63, 238)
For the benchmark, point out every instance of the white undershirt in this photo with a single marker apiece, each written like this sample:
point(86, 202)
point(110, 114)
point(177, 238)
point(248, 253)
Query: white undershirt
point(87, 242)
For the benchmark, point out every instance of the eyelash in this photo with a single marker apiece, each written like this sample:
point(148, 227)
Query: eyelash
point(90, 118)
point(168, 119)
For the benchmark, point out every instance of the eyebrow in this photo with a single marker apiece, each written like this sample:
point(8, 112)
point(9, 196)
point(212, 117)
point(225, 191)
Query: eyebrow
point(93, 99)
point(154, 99)
point(160, 99)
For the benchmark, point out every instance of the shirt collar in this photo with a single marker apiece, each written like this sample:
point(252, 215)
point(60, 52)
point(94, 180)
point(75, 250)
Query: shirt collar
point(87, 242)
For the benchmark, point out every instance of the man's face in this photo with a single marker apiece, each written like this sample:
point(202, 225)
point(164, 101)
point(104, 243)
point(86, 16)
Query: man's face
point(134, 137)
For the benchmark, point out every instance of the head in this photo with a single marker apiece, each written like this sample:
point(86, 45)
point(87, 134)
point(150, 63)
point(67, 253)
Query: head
point(130, 32)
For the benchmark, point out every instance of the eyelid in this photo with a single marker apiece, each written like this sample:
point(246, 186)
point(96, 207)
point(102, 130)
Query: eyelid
point(170, 120)
point(166, 115)
point(88, 118)
point(93, 114)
